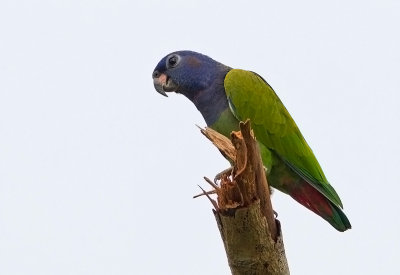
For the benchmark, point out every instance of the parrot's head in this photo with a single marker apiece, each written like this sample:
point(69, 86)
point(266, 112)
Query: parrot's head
point(187, 73)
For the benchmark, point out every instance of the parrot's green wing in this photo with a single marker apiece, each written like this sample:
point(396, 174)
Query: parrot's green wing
point(251, 97)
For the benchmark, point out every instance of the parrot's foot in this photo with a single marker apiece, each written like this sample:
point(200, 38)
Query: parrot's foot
point(223, 174)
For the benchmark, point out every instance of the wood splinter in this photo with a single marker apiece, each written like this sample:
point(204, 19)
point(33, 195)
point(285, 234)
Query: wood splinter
point(252, 236)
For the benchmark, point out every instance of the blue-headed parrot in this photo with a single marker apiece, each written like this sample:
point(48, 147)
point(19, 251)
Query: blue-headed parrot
point(225, 96)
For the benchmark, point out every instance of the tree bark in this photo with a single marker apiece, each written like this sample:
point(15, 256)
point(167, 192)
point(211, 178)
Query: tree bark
point(251, 235)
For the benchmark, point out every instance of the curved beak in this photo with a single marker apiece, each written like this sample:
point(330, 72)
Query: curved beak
point(163, 84)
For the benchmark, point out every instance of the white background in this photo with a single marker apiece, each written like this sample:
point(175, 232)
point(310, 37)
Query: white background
point(97, 170)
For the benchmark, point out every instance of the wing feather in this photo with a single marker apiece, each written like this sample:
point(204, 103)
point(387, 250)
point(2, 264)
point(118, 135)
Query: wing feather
point(251, 97)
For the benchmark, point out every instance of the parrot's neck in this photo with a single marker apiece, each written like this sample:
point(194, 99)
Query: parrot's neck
point(211, 103)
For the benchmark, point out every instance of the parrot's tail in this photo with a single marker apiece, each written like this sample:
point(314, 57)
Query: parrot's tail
point(311, 198)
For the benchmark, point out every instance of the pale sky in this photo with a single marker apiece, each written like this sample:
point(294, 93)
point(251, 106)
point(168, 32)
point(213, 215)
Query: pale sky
point(97, 170)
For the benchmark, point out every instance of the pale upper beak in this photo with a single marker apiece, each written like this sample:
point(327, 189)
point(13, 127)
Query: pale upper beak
point(163, 84)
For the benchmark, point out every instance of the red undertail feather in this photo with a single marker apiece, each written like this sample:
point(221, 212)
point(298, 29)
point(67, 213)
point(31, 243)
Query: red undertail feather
point(311, 198)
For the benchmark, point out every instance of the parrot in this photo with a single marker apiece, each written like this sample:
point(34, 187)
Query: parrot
point(225, 96)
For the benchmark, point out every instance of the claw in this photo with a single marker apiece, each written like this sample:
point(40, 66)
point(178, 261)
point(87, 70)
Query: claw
point(220, 175)
point(213, 184)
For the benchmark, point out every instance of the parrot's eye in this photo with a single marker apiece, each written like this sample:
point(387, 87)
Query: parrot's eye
point(172, 61)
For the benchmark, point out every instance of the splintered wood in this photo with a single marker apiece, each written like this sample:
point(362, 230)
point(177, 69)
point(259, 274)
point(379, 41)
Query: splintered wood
point(221, 142)
point(251, 234)
point(246, 183)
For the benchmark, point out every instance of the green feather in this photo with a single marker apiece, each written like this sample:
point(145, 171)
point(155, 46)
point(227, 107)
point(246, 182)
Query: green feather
point(251, 97)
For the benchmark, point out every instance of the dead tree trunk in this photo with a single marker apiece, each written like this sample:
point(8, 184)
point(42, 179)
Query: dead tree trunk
point(252, 236)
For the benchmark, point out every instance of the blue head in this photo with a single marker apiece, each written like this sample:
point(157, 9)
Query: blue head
point(196, 76)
